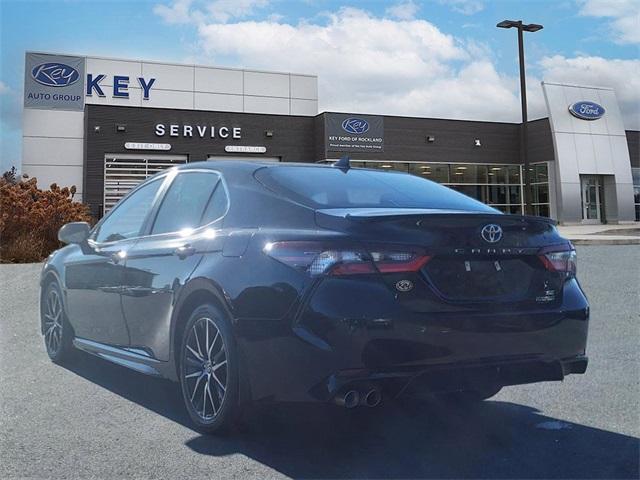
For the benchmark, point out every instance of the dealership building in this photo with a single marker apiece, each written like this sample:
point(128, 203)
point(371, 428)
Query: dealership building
point(106, 124)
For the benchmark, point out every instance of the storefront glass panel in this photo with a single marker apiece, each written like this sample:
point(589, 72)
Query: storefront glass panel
point(497, 185)
point(635, 172)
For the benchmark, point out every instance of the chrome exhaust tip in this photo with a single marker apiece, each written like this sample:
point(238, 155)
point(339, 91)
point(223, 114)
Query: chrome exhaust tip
point(373, 398)
point(348, 399)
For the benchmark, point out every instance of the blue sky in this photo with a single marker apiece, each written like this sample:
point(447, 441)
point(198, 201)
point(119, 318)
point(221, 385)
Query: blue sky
point(432, 58)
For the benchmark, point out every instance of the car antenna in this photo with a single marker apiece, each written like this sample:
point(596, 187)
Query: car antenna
point(343, 164)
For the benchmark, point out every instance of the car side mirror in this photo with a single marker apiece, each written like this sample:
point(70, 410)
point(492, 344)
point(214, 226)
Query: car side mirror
point(74, 232)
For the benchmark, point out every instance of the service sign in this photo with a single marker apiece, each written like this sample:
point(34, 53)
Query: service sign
point(54, 82)
point(586, 110)
point(354, 133)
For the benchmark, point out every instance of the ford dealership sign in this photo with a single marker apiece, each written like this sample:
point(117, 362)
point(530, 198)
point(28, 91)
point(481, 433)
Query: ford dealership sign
point(345, 133)
point(54, 74)
point(355, 126)
point(586, 110)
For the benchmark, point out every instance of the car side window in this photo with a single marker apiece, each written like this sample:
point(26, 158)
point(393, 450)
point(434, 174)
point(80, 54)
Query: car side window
point(217, 205)
point(128, 217)
point(185, 201)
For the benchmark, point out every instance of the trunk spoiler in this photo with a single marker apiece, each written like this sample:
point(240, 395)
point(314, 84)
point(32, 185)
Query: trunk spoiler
point(374, 215)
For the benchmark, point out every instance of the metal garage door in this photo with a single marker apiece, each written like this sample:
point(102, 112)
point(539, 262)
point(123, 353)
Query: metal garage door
point(122, 172)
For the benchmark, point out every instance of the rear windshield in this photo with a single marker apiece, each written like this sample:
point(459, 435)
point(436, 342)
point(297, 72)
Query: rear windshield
point(326, 187)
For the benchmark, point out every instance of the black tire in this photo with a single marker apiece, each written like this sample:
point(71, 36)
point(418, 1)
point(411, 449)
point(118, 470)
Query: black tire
point(209, 378)
point(58, 334)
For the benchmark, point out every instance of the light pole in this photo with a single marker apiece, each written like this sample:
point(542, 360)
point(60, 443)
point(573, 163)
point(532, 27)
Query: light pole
point(524, 157)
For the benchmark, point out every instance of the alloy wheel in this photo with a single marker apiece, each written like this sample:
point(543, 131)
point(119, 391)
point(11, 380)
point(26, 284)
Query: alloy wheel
point(53, 322)
point(206, 370)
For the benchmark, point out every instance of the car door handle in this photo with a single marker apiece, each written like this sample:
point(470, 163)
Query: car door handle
point(184, 251)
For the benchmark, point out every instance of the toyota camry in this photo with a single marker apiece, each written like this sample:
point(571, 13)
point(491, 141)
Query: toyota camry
point(249, 282)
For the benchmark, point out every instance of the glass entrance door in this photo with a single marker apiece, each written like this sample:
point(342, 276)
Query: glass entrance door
point(590, 199)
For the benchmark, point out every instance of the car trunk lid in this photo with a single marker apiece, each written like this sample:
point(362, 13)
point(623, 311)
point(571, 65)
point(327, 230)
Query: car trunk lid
point(477, 259)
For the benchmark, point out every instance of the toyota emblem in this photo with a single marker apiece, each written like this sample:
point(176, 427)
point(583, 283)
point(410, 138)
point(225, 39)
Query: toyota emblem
point(491, 233)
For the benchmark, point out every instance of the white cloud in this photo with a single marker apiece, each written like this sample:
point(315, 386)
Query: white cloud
point(224, 10)
point(403, 11)
point(178, 12)
point(4, 88)
point(190, 11)
point(622, 75)
point(624, 15)
point(466, 7)
point(371, 64)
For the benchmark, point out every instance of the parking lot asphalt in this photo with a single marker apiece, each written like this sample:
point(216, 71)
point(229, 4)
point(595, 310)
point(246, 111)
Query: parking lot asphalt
point(92, 419)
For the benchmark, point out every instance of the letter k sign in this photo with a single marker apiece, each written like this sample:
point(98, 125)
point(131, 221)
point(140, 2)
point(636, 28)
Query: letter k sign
point(94, 84)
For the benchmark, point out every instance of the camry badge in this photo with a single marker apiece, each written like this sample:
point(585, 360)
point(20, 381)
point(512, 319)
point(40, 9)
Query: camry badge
point(404, 285)
point(491, 233)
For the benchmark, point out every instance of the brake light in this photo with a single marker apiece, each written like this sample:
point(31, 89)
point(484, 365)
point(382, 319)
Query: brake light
point(316, 258)
point(559, 258)
point(399, 260)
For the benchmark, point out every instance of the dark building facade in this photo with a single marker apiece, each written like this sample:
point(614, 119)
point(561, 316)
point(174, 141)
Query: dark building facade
point(125, 144)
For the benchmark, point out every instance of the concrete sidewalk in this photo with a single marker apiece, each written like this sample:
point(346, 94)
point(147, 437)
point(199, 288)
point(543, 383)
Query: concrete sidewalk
point(627, 234)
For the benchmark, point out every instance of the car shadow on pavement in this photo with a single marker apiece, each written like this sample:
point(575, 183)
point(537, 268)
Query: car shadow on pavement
point(492, 439)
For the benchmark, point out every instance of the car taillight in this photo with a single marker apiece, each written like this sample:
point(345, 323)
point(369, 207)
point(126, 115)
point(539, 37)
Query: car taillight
point(319, 259)
point(559, 258)
point(395, 260)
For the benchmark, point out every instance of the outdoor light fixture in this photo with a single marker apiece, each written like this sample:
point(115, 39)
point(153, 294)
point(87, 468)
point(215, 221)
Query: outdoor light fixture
point(121, 127)
point(477, 142)
point(524, 158)
point(268, 133)
point(532, 27)
point(431, 139)
point(96, 129)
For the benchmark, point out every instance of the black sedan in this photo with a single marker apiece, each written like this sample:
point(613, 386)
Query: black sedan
point(248, 282)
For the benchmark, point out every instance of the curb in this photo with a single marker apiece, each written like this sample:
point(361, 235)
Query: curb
point(603, 241)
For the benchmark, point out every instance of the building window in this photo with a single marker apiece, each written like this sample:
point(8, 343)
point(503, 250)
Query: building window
point(122, 172)
point(539, 178)
point(497, 185)
point(636, 191)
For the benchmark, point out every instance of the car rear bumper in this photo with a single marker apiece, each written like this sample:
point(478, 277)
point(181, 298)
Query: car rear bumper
point(404, 352)
point(450, 378)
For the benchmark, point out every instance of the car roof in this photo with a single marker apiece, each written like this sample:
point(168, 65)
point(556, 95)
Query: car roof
point(250, 166)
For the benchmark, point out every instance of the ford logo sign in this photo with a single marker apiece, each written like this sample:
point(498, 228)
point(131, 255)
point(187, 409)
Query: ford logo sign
point(586, 110)
point(357, 126)
point(55, 74)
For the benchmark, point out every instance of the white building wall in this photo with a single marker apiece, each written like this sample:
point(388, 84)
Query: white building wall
point(589, 147)
point(52, 147)
point(53, 140)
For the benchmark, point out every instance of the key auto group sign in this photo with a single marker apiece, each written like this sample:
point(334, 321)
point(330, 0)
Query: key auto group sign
point(54, 82)
point(59, 82)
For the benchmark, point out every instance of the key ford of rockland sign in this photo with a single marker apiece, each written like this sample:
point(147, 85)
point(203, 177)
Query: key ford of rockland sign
point(362, 133)
point(57, 82)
